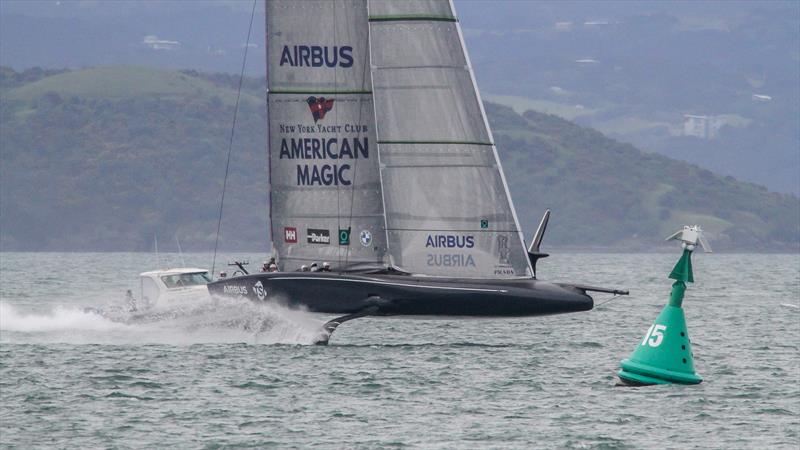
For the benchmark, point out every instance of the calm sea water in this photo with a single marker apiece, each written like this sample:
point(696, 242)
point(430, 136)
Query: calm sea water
point(202, 378)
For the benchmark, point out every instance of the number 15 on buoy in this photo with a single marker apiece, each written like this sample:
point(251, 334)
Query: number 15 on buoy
point(654, 335)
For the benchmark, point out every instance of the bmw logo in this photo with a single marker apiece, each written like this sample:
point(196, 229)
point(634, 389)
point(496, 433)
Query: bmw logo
point(365, 237)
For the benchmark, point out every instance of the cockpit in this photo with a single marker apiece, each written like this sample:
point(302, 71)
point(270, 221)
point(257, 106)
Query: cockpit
point(173, 284)
point(185, 280)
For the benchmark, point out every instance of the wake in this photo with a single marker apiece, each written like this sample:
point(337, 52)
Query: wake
point(191, 322)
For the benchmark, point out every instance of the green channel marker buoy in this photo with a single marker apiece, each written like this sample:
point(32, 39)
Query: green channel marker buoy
point(664, 355)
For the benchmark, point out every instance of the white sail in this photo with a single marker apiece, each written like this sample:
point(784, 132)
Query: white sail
point(448, 212)
point(324, 176)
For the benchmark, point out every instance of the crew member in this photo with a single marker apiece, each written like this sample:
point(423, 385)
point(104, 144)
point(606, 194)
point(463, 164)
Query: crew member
point(130, 300)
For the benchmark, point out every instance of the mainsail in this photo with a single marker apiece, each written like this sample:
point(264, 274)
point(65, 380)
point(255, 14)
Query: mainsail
point(325, 192)
point(376, 127)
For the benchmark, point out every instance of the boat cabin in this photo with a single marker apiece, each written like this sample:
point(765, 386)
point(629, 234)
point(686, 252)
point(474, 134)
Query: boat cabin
point(158, 286)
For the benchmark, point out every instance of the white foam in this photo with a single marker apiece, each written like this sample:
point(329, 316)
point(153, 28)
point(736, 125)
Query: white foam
point(204, 321)
point(60, 319)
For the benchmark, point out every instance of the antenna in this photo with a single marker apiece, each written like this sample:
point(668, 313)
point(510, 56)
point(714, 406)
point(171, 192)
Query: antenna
point(690, 236)
point(180, 251)
point(158, 260)
point(230, 140)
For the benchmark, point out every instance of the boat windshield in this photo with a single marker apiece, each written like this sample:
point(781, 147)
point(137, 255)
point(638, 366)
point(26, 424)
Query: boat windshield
point(186, 279)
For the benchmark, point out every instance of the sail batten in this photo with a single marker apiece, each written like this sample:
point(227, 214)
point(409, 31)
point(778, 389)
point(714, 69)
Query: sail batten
point(317, 92)
point(413, 18)
point(439, 66)
point(435, 142)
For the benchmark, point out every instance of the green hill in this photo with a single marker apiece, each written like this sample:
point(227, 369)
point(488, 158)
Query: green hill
point(124, 82)
point(606, 192)
point(106, 158)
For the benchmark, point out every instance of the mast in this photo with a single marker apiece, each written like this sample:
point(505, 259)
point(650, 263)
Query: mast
point(390, 260)
point(269, 152)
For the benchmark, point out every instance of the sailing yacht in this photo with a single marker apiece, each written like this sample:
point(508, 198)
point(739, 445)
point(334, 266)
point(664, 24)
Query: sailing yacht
point(383, 166)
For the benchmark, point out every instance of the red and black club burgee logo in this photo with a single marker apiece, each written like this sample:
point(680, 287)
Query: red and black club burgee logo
point(319, 106)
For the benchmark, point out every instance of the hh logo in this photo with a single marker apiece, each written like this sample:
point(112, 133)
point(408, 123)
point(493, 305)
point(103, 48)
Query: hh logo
point(319, 106)
point(290, 235)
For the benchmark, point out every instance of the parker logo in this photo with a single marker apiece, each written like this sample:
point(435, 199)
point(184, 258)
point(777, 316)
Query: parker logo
point(316, 236)
point(319, 106)
point(290, 235)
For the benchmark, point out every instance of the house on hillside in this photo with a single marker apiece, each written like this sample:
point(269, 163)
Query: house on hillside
point(703, 127)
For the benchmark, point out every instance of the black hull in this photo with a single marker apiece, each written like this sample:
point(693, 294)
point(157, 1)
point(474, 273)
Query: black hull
point(387, 295)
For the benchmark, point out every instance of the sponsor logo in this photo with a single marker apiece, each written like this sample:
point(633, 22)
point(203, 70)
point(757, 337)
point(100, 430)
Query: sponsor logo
point(451, 260)
point(260, 291)
point(338, 174)
point(290, 235)
point(501, 270)
point(317, 236)
point(503, 267)
point(365, 237)
point(449, 241)
point(285, 128)
point(319, 106)
point(502, 249)
point(484, 223)
point(325, 175)
point(317, 56)
point(344, 236)
point(324, 148)
point(234, 290)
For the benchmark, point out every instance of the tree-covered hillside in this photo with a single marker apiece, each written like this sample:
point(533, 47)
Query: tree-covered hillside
point(106, 158)
point(606, 192)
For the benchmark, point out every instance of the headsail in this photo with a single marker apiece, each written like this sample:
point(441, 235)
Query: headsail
point(325, 192)
point(447, 206)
